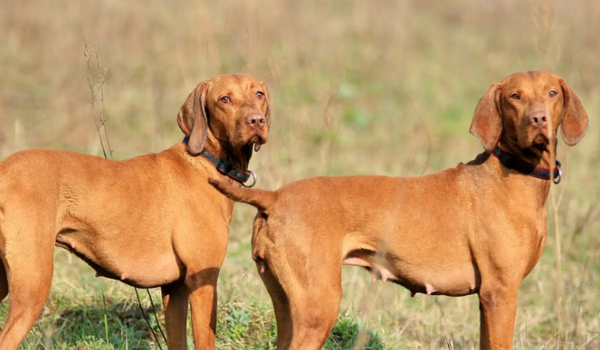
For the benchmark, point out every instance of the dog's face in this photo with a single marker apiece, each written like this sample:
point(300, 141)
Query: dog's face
point(527, 108)
point(234, 108)
point(532, 106)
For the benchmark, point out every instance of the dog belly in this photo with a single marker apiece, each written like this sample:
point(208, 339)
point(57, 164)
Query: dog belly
point(450, 281)
point(131, 265)
point(457, 282)
point(150, 271)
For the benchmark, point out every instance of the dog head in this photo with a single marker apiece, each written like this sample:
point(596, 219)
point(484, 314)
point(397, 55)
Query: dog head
point(234, 108)
point(526, 109)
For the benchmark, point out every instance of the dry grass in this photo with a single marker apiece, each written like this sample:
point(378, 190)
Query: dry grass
point(358, 87)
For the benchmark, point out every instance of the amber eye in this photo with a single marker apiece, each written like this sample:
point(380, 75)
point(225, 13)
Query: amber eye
point(515, 96)
point(260, 95)
point(225, 99)
point(552, 93)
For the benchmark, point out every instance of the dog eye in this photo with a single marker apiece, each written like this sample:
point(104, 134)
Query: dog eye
point(552, 93)
point(225, 99)
point(260, 95)
point(515, 96)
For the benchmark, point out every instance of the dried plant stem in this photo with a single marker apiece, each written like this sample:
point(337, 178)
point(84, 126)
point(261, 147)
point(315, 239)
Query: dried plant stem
point(96, 79)
point(555, 200)
point(327, 116)
point(557, 253)
point(544, 20)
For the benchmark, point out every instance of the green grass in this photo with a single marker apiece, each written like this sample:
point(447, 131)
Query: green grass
point(357, 88)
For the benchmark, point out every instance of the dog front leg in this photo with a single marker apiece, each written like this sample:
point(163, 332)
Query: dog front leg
point(202, 291)
point(175, 303)
point(498, 312)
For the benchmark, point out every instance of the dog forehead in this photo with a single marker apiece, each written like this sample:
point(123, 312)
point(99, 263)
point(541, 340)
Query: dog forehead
point(234, 84)
point(533, 83)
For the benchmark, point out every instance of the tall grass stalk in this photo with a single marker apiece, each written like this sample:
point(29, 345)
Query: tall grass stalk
point(544, 18)
point(105, 318)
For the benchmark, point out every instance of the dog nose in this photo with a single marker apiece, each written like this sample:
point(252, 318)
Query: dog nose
point(538, 119)
point(256, 120)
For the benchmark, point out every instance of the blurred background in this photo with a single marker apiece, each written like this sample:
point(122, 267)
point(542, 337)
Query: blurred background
point(357, 87)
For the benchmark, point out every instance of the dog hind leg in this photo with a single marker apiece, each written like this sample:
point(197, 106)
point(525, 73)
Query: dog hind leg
point(281, 305)
point(313, 323)
point(307, 301)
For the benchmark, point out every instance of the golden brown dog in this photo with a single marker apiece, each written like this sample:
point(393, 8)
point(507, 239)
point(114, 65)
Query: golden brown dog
point(477, 228)
point(148, 221)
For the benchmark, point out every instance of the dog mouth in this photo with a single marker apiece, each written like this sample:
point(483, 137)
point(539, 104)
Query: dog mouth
point(530, 135)
point(256, 140)
point(540, 139)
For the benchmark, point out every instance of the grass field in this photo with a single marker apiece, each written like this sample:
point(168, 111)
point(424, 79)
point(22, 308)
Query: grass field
point(357, 87)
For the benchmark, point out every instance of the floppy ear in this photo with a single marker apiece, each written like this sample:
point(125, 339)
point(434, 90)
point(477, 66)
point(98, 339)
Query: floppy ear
point(192, 119)
point(575, 119)
point(268, 113)
point(487, 120)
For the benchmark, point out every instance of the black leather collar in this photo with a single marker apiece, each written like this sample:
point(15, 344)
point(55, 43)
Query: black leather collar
point(227, 169)
point(523, 167)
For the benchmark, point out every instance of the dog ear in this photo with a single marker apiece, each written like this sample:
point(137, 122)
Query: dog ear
point(268, 112)
point(487, 120)
point(575, 119)
point(192, 118)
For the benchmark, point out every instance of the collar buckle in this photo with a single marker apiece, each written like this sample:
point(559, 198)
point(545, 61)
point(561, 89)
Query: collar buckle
point(557, 173)
point(254, 178)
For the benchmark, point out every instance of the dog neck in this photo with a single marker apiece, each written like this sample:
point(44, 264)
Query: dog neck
point(516, 185)
point(525, 186)
point(536, 155)
point(535, 161)
point(237, 158)
point(526, 168)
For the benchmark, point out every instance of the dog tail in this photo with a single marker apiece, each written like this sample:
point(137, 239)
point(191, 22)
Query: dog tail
point(261, 199)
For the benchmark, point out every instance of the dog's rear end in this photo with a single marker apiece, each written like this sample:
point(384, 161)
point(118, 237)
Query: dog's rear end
point(478, 228)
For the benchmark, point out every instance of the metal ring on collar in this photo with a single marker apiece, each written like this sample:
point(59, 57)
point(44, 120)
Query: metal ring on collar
point(254, 177)
point(558, 178)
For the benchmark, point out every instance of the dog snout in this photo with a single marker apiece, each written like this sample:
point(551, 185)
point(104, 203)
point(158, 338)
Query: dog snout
point(538, 119)
point(256, 120)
